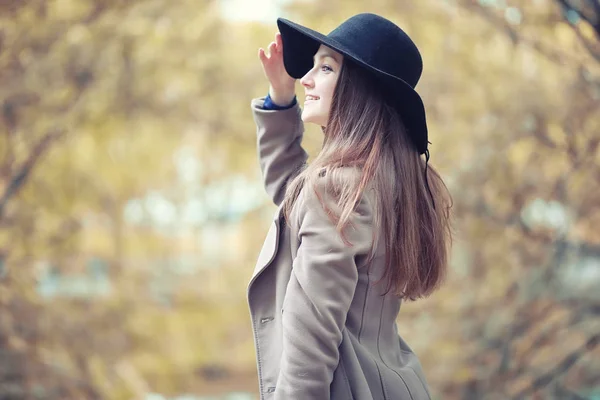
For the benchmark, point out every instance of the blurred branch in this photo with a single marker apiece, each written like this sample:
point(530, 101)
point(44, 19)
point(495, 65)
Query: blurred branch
point(569, 361)
point(483, 209)
point(551, 54)
point(20, 176)
point(588, 10)
point(582, 311)
point(565, 393)
point(515, 37)
point(591, 15)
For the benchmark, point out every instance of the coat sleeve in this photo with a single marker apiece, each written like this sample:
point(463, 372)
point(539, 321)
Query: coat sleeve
point(280, 153)
point(318, 296)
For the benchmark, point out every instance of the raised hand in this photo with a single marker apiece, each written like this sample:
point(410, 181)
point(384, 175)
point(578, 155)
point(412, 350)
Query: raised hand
point(282, 86)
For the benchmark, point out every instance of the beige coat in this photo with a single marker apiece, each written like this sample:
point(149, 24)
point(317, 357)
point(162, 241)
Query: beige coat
point(321, 330)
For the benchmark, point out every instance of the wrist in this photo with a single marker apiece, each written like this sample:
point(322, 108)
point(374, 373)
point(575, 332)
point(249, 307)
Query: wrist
point(280, 98)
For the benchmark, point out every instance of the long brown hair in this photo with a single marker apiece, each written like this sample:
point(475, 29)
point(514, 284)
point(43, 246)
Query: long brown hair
point(364, 131)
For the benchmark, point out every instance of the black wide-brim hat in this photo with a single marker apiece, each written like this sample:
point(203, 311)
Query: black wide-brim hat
point(376, 44)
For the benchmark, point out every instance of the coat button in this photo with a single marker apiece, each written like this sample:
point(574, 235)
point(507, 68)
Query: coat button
point(264, 320)
point(271, 389)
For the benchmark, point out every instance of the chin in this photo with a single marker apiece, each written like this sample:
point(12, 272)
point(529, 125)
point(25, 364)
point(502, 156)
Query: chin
point(309, 119)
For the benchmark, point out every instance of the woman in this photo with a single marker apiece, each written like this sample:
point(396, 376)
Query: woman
point(325, 294)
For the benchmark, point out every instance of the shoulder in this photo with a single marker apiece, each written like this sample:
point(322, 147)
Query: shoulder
point(339, 178)
point(332, 181)
point(331, 203)
point(333, 188)
point(346, 179)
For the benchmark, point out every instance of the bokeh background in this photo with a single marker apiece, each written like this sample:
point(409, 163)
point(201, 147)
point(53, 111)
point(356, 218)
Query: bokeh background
point(132, 209)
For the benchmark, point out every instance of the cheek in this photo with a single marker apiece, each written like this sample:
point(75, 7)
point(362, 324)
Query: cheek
point(329, 91)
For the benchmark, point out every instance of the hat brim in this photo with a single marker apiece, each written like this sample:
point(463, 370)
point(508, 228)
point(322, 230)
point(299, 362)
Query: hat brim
point(300, 44)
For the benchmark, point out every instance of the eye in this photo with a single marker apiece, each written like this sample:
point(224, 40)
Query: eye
point(326, 66)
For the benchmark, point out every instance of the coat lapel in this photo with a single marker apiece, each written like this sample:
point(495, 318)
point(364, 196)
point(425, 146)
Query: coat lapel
point(270, 245)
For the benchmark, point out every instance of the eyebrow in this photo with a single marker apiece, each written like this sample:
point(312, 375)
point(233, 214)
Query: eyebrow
point(326, 54)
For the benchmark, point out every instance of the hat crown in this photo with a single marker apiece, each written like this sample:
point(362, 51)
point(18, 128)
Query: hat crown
point(382, 44)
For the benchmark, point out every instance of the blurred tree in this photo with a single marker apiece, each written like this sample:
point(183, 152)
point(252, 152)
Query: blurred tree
point(96, 97)
point(547, 207)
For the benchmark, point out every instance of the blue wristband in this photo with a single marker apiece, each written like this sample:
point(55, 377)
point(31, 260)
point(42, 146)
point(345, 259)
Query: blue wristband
point(269, 105)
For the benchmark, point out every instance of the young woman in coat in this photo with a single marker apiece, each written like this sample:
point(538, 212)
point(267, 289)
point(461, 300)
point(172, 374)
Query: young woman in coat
point(362, 227)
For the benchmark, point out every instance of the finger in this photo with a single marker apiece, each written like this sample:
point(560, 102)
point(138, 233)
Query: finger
point(263, 56)
point(279, 42)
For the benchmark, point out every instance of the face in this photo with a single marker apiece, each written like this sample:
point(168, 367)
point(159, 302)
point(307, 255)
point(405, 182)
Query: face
point(320, 82)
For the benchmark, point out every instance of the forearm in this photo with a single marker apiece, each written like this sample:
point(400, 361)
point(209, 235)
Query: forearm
point(279, 146)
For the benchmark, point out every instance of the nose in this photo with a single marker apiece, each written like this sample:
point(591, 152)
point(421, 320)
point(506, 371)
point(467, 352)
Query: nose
point(306, 80)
